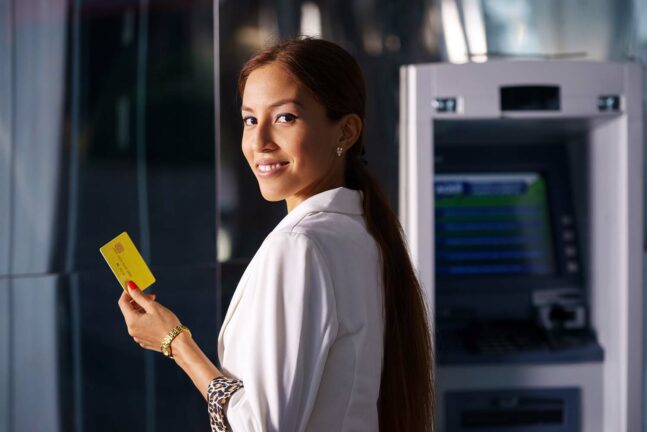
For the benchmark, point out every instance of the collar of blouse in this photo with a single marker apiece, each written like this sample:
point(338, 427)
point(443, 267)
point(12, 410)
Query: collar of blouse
point(339, 200)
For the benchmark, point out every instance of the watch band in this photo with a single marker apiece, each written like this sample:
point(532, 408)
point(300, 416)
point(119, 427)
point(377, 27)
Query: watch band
point(166, 342)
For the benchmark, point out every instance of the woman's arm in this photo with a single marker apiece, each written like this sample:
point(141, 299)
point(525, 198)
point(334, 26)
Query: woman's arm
point(279, 338)
point(194, 362)
point(148, 323)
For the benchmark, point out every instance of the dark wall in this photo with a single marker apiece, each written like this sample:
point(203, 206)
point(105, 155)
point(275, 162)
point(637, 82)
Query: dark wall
point(109, 107)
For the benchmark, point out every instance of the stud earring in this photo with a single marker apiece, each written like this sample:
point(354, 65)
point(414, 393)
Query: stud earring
point(339, 151)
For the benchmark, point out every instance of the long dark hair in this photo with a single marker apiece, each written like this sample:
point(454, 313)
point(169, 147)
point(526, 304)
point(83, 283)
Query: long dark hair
point(406, 401)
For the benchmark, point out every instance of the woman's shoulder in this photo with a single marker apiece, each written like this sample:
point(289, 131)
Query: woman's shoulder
point(333, 236)
point(326, 226)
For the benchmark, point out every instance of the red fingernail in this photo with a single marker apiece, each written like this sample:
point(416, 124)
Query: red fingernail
point(131, 285)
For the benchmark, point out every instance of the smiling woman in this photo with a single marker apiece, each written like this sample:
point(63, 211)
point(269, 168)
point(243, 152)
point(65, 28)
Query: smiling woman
point(288, 140)
point(327, 329)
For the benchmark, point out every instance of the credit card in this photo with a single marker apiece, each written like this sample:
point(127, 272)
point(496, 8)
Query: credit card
point(126, 262)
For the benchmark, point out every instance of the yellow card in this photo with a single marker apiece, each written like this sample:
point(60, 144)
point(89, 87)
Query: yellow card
point(126, 263)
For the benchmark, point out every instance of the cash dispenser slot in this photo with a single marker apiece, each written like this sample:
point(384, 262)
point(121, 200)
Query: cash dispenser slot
point(514, 410)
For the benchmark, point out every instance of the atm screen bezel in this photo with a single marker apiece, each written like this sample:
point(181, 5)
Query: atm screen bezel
point(548, 160)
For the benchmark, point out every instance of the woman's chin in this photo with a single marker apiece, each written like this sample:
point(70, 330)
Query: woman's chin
point(270, 195)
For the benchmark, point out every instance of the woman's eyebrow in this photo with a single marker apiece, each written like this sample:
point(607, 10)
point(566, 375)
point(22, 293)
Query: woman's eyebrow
point(276, 104)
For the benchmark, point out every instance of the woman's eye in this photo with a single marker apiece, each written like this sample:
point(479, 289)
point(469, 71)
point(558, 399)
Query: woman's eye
point(249, 121)
point(285, 118)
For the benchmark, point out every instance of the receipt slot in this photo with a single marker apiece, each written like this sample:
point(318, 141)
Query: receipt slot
point(521, 197)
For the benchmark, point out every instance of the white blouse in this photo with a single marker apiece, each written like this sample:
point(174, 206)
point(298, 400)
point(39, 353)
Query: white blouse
point(304, 330)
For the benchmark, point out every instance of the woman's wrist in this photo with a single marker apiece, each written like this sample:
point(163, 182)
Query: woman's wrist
point(184, 348)
point(188, 355)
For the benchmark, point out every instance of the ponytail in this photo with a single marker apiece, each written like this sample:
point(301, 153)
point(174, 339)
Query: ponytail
point(406, 400)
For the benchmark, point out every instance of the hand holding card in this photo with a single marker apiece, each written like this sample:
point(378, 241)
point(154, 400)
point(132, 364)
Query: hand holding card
point(126, 262)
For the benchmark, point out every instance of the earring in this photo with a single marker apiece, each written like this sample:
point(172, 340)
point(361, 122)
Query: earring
point(339, 151)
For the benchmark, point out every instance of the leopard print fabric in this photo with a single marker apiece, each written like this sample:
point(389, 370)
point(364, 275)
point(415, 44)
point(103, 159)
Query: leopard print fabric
point(220, 391)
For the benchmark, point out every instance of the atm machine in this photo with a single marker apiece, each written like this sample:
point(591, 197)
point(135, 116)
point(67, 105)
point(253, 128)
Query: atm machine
point(521, 188)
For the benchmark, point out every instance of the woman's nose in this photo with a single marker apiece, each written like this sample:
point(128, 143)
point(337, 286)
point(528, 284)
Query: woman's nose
point(262, 138)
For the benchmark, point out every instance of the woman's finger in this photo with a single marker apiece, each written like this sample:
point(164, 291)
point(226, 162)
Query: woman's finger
point(126, 307)
point(141, 299)
point(136, 307)
point(133, 304)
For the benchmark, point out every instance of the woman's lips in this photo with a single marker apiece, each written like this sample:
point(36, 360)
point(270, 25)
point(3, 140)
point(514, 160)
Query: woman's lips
point(270, 168)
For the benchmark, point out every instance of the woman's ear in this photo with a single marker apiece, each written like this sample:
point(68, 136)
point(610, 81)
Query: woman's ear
point(350, 130)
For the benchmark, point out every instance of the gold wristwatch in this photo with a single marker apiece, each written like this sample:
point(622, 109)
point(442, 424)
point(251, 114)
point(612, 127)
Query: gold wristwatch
point(166, 343)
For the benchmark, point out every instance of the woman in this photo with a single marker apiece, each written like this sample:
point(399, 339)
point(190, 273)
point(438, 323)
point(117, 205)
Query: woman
point(327, 330)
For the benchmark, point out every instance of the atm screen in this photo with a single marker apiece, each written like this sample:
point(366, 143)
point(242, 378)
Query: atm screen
point(492, 224)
